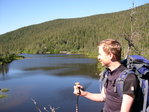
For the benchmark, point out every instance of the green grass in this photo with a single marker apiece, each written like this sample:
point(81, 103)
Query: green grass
point(3, 96)
point(4, 90)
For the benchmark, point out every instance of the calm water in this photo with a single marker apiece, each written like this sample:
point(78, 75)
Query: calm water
point(49, 80)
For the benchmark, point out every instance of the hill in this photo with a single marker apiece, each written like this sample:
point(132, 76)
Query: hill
point(81, 35)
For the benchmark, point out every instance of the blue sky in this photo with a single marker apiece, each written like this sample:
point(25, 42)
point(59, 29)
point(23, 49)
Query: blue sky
point(15, 14)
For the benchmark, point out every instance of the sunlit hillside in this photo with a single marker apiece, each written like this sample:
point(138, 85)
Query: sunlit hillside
point(81, 35)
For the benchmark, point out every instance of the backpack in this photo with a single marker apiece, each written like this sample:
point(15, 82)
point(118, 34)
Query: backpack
point(135, 65)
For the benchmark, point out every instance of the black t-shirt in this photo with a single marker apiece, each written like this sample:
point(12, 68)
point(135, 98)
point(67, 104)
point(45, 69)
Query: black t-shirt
point(113, 99)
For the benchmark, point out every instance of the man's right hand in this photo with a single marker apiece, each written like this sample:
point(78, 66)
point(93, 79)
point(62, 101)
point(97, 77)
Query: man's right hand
point(79, 90)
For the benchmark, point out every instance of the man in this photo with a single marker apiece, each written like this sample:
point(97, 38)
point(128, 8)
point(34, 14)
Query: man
point(110, 57)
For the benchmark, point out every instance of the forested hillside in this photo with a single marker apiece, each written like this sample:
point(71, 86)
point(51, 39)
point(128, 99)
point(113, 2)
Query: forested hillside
point(81, 35)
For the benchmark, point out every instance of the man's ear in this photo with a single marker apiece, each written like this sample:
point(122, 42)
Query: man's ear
point(112, 56)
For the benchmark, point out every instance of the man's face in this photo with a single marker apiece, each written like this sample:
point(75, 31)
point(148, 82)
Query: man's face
point(103, 57)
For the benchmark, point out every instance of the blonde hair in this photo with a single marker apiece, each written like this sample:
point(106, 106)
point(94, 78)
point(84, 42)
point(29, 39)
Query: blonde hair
point(112, 46)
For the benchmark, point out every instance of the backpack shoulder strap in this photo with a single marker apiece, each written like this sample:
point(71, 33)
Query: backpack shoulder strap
point(120, 81)
point(103, 78)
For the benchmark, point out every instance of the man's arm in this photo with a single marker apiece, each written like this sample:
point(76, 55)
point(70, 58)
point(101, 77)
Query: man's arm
point(98, 97)
point(127, 102)
point(130, 88)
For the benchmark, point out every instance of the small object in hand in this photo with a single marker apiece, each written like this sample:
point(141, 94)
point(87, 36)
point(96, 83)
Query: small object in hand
point(77, 89)
point(77, 83)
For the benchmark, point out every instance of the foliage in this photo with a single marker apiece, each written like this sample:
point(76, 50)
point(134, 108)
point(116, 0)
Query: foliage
point(46, 109)
point(7, 58)
point(79, 35)
point(4, 90)
point(3, 96)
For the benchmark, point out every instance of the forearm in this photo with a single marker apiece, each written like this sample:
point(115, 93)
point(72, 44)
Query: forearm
point(98, 97)
point(93, 96)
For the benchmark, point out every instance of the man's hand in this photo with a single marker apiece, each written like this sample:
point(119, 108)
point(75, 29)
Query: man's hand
point(78, 89)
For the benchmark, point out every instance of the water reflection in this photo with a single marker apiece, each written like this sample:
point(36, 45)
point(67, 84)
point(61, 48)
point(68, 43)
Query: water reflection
point(48, 79)
point(3, 71)
point(60, 65)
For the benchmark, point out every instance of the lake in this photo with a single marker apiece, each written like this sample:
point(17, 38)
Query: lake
point(48, 79)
